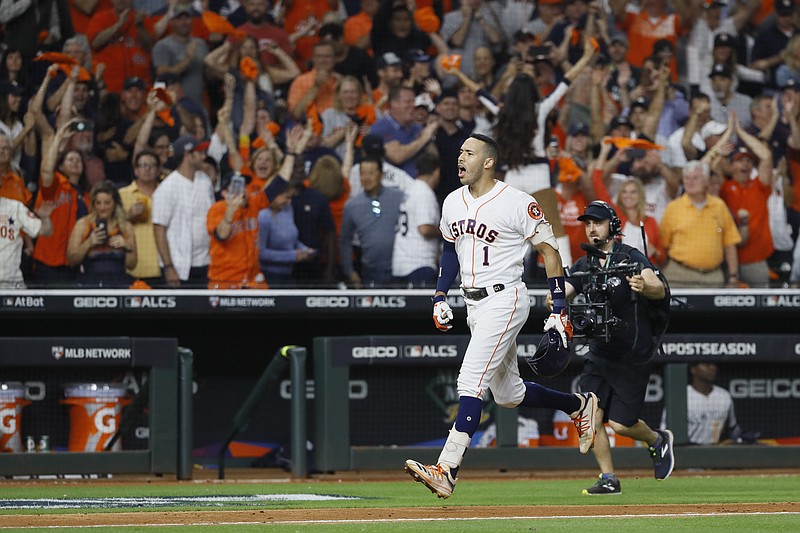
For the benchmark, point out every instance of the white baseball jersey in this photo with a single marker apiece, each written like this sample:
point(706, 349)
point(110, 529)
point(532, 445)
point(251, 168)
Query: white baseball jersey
point(491, 233)
point(14, 217)
point(412, 251)
point(708, 416)
point(535, 177)
point(393, 177)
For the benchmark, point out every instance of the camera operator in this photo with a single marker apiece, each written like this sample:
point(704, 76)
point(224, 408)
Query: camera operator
point(618, 282)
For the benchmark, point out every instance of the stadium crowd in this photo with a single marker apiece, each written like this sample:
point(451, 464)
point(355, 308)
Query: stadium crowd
point(255, 144)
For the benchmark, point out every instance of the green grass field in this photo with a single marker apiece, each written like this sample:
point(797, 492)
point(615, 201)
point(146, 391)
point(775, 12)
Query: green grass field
point(609, 511)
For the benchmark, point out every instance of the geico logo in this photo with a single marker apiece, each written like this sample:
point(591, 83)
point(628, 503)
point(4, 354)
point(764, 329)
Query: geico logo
point(765, 388)
point(8, 420)
point(430, 350)
point(105, 421)
point(734, 301)
point(94, 302)
point(368, 352)
point(327, 301)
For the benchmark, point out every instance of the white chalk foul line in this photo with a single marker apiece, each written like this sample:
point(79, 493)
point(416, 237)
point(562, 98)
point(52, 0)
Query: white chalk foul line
point(396, 520)
point(171, 501)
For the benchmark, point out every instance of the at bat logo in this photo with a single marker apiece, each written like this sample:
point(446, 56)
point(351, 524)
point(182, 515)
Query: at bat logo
point(24, 302)
point(534, 211)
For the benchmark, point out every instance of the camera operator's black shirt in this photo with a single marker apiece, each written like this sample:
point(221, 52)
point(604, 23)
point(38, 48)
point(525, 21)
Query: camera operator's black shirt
point(632, 310)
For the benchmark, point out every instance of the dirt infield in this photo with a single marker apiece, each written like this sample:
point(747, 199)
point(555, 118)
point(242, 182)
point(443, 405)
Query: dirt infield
point(356, 515)
point(443, 511)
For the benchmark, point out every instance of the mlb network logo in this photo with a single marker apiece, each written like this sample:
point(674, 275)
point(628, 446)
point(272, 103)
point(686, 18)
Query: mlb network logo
point(58, 352)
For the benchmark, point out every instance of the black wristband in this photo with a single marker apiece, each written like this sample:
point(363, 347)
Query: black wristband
point(168, 266)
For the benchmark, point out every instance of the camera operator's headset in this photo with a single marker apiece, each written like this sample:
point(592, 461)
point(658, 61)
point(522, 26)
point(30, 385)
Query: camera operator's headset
point(615, 224)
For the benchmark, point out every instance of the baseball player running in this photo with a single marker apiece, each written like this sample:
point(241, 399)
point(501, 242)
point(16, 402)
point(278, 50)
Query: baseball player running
point(487, 226)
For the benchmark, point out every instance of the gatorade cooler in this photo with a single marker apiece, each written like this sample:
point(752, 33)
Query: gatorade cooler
point(564, 432)
point(94, 414)
point(12, 400)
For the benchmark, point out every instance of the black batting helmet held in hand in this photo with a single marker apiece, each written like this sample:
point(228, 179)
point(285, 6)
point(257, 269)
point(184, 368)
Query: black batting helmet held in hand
point(600, 210)
point(551, 358)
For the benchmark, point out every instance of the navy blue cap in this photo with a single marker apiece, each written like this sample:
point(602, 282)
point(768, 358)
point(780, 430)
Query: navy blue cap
point(595, 211)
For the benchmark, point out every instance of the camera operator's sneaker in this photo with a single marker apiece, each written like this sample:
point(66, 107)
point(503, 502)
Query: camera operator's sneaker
point(583, 419)
point(436, 477)
point(606, 484)
point(663, 459)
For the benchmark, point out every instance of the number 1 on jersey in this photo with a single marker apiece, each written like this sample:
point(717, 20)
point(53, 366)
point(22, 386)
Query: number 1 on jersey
point(485, 256)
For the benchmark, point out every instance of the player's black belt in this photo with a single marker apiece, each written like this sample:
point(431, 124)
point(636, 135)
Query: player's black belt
point(482, 292)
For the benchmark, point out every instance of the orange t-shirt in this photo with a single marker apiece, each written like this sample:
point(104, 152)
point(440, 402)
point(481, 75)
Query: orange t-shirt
point(123, 56)
point(643, 32)
point(52, 249)
point(13, 187)
point(303, 83)
point(752, 196)
point(80, 21)
point(234, 261)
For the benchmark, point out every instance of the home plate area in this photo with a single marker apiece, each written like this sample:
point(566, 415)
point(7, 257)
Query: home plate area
point(172, 501)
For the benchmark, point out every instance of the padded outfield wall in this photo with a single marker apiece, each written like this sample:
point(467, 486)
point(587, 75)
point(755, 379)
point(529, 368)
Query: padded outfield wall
point(233, 334)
